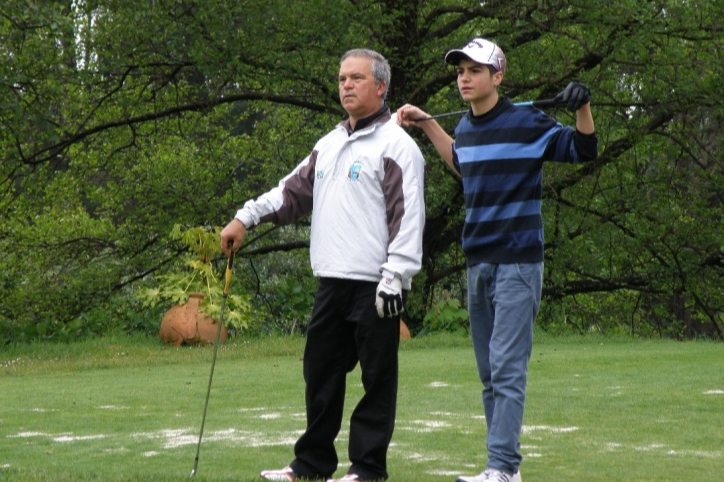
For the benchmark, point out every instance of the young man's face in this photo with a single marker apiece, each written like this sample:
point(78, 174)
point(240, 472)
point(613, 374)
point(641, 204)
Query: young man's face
point(359, 94)
point(476, 82)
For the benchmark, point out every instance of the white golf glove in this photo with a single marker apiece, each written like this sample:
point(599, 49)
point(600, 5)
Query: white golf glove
point(389, 296)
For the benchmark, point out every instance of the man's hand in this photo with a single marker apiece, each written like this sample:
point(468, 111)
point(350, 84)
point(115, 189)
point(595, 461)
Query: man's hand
point(232, 236)
point(575, 96)
point(389, 296)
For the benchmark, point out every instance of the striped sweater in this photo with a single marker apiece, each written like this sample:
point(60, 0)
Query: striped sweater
point(500, 156)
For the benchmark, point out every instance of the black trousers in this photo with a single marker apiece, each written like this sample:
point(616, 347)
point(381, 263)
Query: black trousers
point(344, 330)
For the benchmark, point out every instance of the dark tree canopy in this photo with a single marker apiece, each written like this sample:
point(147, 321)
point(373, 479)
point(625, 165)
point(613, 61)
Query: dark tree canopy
point(122, 118)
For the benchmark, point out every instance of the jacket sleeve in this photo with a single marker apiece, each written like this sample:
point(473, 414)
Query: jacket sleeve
point(289, 201)
point(403, 188)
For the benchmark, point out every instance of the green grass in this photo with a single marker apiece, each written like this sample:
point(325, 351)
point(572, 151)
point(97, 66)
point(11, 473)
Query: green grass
point(129, 409)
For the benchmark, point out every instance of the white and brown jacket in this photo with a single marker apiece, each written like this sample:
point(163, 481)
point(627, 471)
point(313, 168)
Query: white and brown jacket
point(365, 191)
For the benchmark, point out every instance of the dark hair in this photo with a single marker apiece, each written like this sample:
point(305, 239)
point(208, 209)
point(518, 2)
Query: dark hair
point(492, 70)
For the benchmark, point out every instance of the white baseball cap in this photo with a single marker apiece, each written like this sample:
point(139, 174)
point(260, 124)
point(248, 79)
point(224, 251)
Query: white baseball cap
point(481, 51)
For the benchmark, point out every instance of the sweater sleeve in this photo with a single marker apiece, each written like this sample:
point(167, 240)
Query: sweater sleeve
point(586, 145)
point(288, 201)
point(570, 145)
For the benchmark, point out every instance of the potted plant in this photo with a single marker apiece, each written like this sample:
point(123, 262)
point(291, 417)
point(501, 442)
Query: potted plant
point(196, 291)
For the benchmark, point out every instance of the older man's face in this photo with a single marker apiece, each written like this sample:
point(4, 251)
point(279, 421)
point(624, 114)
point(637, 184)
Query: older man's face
point(359, 94)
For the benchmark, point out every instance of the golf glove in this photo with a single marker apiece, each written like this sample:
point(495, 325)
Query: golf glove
point(575, 96)
point(389, 296)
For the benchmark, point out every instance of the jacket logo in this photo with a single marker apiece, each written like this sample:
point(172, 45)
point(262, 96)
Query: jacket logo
point(354, 171)
point(320, 174)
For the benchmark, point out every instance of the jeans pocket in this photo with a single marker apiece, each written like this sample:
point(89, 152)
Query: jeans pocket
point(532, 275)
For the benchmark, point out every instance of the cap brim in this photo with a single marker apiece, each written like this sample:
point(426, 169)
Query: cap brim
point(455, 56)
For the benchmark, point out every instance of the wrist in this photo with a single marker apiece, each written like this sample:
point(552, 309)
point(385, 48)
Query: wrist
point(243, 224)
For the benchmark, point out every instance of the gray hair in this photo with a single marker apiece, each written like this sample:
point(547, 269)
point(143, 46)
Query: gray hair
point(380, 66)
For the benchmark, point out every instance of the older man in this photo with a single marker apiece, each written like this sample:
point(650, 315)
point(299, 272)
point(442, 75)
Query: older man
point(364, 183)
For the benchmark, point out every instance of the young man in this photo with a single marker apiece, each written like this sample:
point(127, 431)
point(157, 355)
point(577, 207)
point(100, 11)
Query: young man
point(499, 150)
point(365, 181)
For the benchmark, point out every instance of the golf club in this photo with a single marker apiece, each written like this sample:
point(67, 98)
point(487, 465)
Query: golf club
point(225, 294)
point(532, 103)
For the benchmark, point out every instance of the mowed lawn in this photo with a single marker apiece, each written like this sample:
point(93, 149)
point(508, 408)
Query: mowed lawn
point(130, 409)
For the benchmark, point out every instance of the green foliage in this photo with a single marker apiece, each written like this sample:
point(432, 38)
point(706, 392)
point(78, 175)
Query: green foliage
point(195, 273)
point(121, 313)
point(297, 302)
point(121, 119)
point(448, 316)
point(284, 283)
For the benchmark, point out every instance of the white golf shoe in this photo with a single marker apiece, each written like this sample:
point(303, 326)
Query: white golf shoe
point(347, 478)
point(491, 475)
point(282, 475)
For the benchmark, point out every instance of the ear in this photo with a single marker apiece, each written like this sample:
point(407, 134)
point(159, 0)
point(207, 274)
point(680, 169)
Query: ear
point(497, 78)
point(381, 89)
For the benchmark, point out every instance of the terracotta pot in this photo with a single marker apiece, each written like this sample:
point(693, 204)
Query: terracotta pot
point(404, 332)
point(185, 325)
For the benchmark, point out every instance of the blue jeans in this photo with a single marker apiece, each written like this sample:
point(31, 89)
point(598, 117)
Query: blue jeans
point(503, 301)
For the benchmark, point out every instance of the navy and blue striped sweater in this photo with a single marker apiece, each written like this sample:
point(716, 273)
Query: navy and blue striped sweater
point(500, 157)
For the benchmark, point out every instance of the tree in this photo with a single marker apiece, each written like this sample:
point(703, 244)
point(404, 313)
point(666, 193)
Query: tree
point(122, 118)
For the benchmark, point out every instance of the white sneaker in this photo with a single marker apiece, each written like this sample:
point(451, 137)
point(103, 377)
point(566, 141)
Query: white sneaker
point(282, 475)
point(492, 475)
point(347, 478)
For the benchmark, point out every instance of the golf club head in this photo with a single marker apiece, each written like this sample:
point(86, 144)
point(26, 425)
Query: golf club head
point(193, 472)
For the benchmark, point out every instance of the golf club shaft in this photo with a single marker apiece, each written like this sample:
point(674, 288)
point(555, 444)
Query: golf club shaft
point(533, 103)
point(225, 294)
point(540, 103)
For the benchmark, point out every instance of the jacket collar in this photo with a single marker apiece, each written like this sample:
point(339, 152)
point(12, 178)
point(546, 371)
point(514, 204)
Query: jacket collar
point(380, 117)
